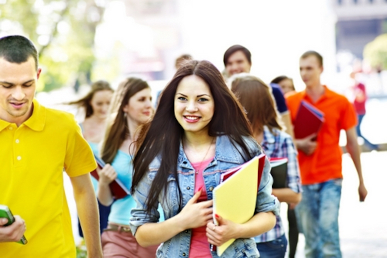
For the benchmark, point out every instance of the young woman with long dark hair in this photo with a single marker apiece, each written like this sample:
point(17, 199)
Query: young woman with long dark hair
point(131, 107)
point(199, 131)
point(255, 96)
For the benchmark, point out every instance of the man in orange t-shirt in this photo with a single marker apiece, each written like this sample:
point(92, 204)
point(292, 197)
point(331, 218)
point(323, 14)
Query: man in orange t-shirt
point(320, 160)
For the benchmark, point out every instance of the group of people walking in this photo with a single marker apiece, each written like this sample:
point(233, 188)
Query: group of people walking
point(171, 158)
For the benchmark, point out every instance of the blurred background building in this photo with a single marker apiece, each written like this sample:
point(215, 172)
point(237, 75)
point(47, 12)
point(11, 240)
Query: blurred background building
point(358, 23)
point(361, 41)
point(81, 41)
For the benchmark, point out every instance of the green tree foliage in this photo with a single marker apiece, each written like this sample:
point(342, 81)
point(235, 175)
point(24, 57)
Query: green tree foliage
point(375, 52)
point(63, 31)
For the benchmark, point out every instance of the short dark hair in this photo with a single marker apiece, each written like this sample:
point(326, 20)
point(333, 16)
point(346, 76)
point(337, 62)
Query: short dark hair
point(231, 50)
point(313, 53)
point(17, 49)
point(279, 79)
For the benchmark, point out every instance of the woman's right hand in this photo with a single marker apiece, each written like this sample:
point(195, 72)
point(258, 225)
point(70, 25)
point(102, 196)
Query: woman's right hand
point(106, 175)
point(196, 214)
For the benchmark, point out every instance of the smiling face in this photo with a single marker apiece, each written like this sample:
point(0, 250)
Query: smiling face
point(237, 63)
point(17, 90)
point(139, 108)
point(194, 104)
point(100, 103)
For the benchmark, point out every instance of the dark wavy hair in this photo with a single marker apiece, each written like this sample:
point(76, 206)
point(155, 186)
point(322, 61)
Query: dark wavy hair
point(162, 136)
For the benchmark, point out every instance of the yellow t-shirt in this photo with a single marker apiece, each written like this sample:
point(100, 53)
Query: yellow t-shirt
point(32, 159)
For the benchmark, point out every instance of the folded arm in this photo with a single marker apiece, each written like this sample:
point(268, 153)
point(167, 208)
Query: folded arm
point(148, 232)
point(291, 194)
point(287, 195)
point(106, 176)
point(155, 233)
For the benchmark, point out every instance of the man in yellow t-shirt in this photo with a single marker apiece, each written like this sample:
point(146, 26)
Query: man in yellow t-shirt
point(37, 143)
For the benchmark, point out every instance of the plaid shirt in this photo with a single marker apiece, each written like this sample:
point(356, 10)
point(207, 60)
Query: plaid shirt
point(280, 145)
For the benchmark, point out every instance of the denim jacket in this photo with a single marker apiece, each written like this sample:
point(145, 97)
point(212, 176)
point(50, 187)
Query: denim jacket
point(227, 156)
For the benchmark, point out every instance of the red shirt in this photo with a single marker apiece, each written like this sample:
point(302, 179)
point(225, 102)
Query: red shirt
point(339, 114)
point(360, 98)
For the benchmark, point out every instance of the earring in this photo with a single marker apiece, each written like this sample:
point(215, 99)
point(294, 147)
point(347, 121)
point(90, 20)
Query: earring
point(125, 114)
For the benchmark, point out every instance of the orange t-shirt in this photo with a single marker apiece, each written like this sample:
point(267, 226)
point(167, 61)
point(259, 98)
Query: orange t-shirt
point(325, 163)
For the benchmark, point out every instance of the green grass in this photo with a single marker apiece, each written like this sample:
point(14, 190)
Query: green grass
point(81, 250)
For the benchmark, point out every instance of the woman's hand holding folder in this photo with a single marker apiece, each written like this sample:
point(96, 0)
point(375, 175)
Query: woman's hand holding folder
point(226, 229)
point(106, 175)
point(221, 233)
point(196, 214)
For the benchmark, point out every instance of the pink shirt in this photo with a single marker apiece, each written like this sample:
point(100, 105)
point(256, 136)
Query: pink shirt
point(200, 248)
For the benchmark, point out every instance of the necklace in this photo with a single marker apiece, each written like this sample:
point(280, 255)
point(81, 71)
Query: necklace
point(200, 165)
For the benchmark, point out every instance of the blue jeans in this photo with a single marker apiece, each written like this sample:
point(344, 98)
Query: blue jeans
point(317, 217)
point(273, 249)
point(358, 130)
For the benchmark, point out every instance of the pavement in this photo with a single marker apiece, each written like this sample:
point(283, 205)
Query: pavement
point(362, 225)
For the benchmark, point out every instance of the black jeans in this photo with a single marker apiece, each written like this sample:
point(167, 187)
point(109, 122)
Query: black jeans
point(293, 232)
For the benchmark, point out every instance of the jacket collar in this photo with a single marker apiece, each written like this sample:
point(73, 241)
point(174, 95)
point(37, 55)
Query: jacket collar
point(225, 151)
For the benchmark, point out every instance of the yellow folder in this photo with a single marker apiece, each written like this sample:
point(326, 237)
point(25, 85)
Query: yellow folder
point(235, 198)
